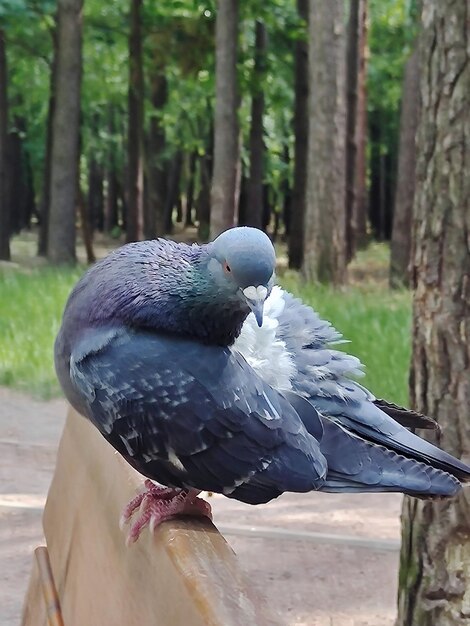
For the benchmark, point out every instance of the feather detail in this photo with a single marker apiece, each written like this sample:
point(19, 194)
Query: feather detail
point(262, 347)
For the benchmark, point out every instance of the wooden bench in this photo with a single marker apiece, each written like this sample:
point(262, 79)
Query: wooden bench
point(184, 574)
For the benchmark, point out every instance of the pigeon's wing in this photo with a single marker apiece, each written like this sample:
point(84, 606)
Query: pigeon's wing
point(190, 415)
point(322, 375)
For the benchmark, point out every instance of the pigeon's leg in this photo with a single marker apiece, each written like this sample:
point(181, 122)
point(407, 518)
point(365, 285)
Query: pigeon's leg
point(157, 504)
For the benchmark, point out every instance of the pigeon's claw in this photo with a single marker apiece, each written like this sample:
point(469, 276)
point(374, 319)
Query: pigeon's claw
point(157, 504)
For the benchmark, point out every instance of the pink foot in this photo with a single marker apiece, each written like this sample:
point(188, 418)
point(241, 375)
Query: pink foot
point(157, 504)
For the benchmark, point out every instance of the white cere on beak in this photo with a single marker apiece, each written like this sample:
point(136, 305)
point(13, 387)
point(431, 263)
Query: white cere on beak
point(255, 293)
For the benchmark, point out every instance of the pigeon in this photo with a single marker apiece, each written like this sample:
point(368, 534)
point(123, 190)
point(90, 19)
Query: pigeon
point(206, 376)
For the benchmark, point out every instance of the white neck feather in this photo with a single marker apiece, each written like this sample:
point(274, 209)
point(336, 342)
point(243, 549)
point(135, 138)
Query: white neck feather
point(263, 349)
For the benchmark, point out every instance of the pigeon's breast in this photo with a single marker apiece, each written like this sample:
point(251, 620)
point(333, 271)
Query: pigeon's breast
point(264, 349)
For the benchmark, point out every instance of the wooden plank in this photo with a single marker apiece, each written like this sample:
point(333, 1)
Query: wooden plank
point(51, 599)
point(183, 574)
point(34, 608)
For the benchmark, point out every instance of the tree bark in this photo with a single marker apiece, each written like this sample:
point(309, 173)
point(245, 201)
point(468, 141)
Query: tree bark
point(324, 242)
point(360, 200)
point(157, 166)
point(65, 133)
point(95, 204)
point(224, 176)
point(286, 198)
point(135, 141)
point(352, 78)
point(44, 207)
point(254, 213)
point(171, 200)
point(192, 160)
point(435, 556)
point(29, 195)
point(203, 200)
point(20, 183)
point(111, 201)
point(4, 178)
point(87, 231)
point(402, 217)
point(299, 192)
point(111, 211)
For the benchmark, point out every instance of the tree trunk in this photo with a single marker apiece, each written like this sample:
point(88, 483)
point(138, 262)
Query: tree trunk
point(203, 200)
point(15, 175)
point(111, 212)
point(171, 199)
point(65, 133)
point(156, 163)
point(190, 187)
point(46, 179)
point(95, 203)
point(87, 231)
point(299, 192)
point(4, 178)
point(360, 200)
point(29, 195)
point(135, 214)
point(382, 198)
point(111, 200)
point(435, 555)
point(324, 242)
point(402, 218)
point(352, 77)
point(286, 197)
point(20, 185)
point(254, 213)
point(122, 200)
point(224, 176)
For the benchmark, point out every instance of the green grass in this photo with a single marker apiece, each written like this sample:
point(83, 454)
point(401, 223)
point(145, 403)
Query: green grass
point(31, 306)
point(374, 319)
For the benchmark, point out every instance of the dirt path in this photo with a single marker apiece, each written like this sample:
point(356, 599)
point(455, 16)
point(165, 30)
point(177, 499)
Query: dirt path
point(310, 579)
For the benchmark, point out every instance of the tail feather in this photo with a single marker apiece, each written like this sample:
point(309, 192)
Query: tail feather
point(407, 443)
point(407, 417)
point(356, 465)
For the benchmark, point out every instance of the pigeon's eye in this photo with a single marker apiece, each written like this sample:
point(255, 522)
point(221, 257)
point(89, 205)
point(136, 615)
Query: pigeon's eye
point(227, 268)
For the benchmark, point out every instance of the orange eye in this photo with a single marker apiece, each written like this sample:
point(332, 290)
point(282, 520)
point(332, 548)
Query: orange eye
point(227, 269)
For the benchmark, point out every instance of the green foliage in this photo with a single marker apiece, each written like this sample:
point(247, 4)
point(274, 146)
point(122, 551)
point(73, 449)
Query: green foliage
point(178, 41)
point(104, 81)
point(392, 33)
point(283, 27)
point(28, 27)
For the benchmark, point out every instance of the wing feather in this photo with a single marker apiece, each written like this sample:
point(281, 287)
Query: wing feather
point(191, 415)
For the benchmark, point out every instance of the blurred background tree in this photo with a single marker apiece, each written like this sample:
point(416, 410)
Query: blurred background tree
point(193, 116)
point(325, 239)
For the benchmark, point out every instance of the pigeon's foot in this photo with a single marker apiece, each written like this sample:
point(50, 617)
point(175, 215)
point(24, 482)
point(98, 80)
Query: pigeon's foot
point(157, 504)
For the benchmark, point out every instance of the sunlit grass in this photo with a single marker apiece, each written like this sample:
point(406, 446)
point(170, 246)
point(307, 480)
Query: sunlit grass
point(374, 319)
point(31, 306)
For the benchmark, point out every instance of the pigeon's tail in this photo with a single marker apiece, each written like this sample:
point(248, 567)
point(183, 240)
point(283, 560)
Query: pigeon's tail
point(410, 445)
point(355, 465)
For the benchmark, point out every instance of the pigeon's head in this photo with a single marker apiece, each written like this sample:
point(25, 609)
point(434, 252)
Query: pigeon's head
point(242, 263)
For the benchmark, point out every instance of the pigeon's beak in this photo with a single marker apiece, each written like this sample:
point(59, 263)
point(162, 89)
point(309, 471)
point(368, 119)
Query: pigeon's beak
point(255, 298)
